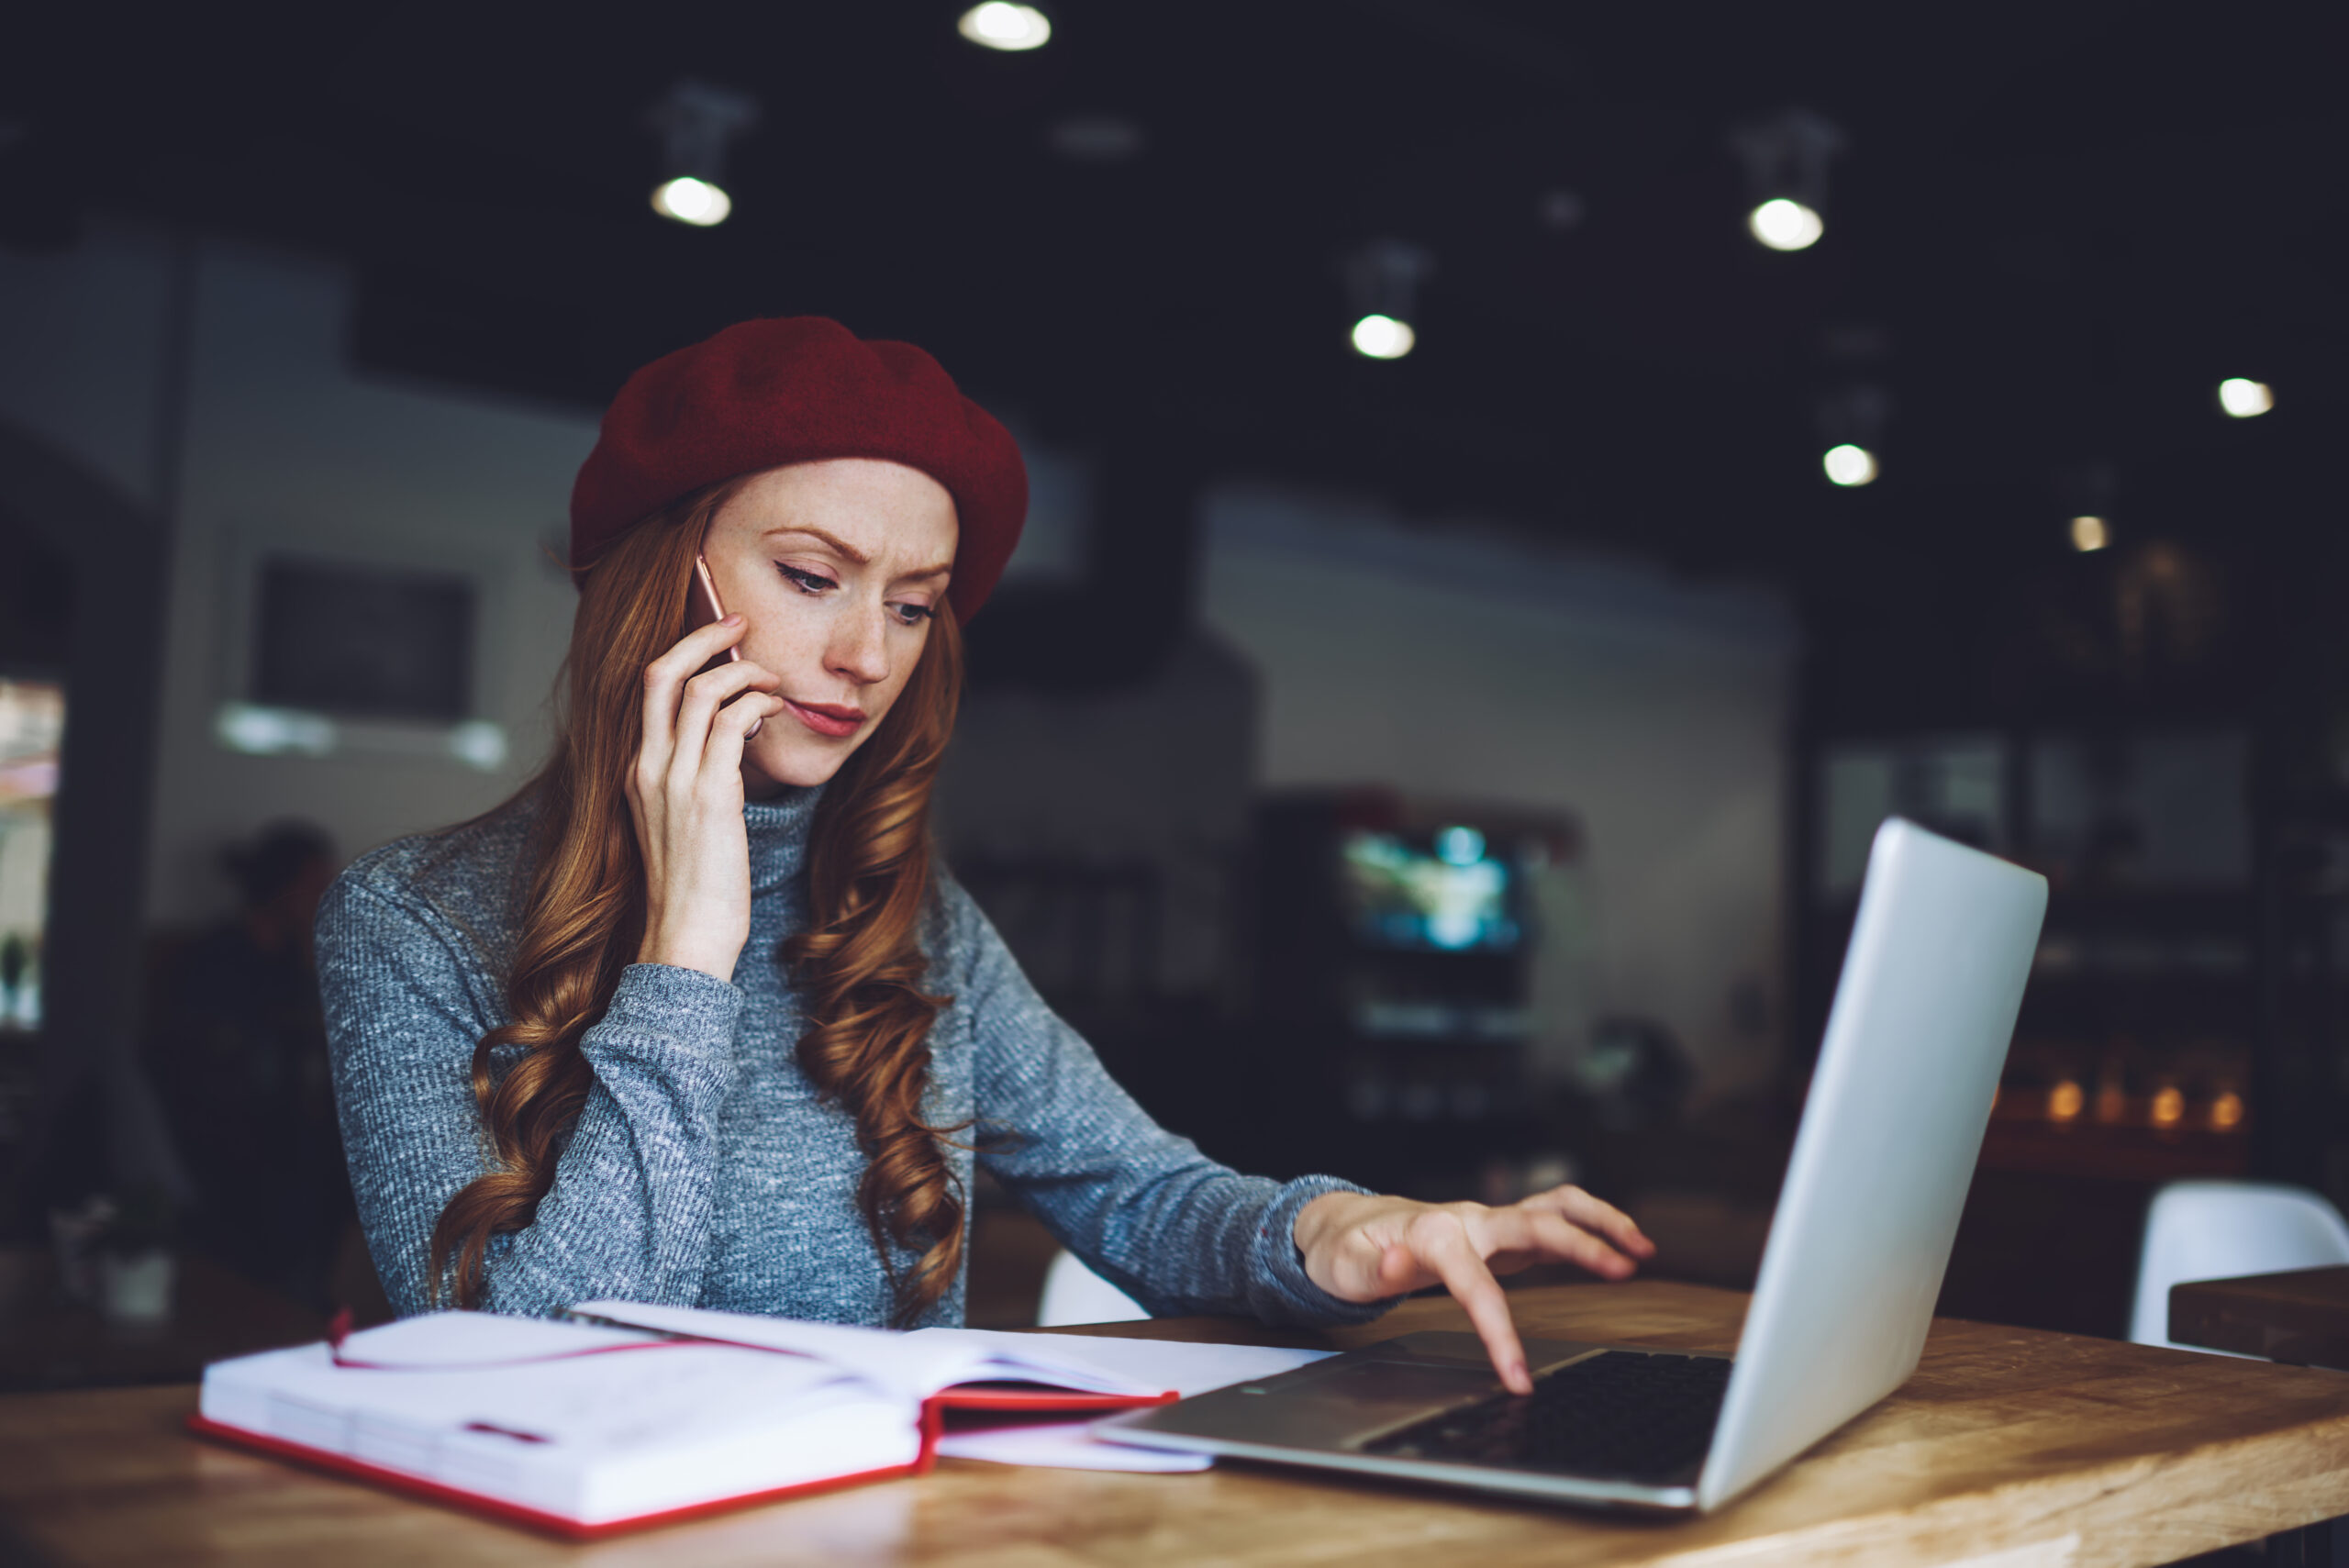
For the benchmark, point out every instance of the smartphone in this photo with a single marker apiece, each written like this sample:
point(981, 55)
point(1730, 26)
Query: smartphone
point(702, 608)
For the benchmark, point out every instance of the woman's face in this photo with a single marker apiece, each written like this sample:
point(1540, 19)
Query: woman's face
point(835, 567)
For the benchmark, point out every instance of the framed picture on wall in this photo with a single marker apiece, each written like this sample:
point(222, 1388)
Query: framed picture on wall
point(392, 650)
point(355, 640)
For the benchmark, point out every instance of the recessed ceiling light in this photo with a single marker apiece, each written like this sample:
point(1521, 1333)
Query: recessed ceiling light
point(697, 122)
point(1848, 465)
point(1784, 223)
point(2090, 533)
point(693, 201)
point(999, 24)
point(1383, 338)
point(2245, 399)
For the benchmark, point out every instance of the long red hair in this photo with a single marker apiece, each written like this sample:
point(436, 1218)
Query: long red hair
point(858, 965)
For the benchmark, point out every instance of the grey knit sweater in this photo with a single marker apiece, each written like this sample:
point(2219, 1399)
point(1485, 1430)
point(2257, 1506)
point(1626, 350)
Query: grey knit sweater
point(705, 1170)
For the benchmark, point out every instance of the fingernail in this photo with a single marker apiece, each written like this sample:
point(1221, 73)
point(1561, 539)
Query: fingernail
point(752, 733)
point(733, 620)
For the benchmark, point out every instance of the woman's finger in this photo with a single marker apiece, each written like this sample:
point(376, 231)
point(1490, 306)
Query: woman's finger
point(665, 683)
point(698, 646)
point(1397, 1272)
point(708, 692)
point(665, 677)
point(1440, 1241)
point(1595, 1214)
point(700, 707)
point(729, 731)
point(1557, 1236)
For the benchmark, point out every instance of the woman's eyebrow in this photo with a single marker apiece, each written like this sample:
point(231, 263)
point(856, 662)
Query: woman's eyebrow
point(856, 555)
point(838, 543)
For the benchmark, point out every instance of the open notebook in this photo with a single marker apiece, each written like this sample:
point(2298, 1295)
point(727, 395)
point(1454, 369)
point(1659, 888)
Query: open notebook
point(632, 1415)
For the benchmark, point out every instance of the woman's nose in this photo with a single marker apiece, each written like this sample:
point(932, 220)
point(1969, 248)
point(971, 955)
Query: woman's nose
point(859, 651)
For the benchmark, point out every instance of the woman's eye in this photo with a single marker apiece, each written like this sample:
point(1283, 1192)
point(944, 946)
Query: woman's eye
point(806, 581)
point(913, 615)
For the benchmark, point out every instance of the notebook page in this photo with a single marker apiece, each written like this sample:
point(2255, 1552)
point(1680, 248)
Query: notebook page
point(1109, 1363)
point(881, 1356)
point(475, 1339)
point(927, 1360)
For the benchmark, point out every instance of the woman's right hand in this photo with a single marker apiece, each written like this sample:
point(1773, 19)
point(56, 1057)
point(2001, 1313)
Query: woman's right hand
point(685, 795)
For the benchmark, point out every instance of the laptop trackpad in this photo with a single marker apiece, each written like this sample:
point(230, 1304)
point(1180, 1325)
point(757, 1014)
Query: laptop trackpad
point(1354, 1400)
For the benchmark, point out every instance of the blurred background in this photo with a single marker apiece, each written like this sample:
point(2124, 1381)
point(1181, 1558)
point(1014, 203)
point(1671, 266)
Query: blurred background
point(1520, 494)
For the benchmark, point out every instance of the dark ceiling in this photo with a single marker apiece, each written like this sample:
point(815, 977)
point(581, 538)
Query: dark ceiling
point(2058, 226)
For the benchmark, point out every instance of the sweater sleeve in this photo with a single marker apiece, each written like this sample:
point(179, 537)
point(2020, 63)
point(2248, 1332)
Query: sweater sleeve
point(629, 1213)
point(1150, 1213)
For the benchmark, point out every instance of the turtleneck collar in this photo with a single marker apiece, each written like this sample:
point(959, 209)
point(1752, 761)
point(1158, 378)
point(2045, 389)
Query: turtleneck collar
point(778, 833)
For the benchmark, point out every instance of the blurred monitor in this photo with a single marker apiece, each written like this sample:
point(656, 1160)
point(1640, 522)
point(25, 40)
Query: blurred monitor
point(345, 637)
point(1444, 891)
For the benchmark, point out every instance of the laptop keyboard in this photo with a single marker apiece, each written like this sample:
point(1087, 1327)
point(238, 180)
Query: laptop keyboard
point(1617, 1415)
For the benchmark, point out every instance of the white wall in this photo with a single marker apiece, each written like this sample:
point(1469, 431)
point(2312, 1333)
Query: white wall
point(1458, 662)
point(286, 446)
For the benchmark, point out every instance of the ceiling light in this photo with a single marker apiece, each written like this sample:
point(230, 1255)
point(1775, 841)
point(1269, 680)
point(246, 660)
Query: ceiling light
point(1785, 156)
point(693, 201)
point(1383, 278)
point(1383, 338)
point(1785, 224)
point(2245, 399)
point(1848, 464)
point(2090, 533)
point(1001, 25)
point(697, 124)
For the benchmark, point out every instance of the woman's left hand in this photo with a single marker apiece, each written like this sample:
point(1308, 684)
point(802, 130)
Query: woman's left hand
point(1362, 1249)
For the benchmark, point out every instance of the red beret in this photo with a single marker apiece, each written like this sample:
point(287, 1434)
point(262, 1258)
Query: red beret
point(799, 389)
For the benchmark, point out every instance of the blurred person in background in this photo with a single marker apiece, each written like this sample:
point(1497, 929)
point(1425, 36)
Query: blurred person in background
point(236, 1047)
point(695, 1019)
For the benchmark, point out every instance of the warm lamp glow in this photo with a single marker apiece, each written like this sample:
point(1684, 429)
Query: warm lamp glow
point(2245, 399)
point(2090, 533)
point(1383, 338)
point(2226, 1111)
point(1848, 465)
point(693, 201)
point(2168, 1108)
point(999, 25)
point(1785, 225)
point(2064, 1101)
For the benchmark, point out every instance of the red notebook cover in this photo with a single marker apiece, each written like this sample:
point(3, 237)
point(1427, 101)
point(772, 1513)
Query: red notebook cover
point(1009, 1399)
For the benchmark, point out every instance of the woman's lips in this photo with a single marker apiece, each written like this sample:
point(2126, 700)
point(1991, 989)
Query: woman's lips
point(826, 719)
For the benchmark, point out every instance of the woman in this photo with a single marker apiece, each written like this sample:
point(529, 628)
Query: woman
point(693, 1017)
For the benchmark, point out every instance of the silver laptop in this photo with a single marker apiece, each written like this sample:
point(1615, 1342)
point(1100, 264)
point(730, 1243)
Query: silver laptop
point(1897, 1106)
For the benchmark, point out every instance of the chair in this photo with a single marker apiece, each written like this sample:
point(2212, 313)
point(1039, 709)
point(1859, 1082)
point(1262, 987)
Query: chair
point(1075, 1293)
point(2197, 1231)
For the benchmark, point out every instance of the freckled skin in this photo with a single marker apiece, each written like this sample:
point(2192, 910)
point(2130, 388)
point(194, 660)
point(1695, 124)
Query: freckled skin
point(850, 645)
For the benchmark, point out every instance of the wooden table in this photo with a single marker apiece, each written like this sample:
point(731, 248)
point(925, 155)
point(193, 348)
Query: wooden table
point(2010, 1447)
point(2302, 1316)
